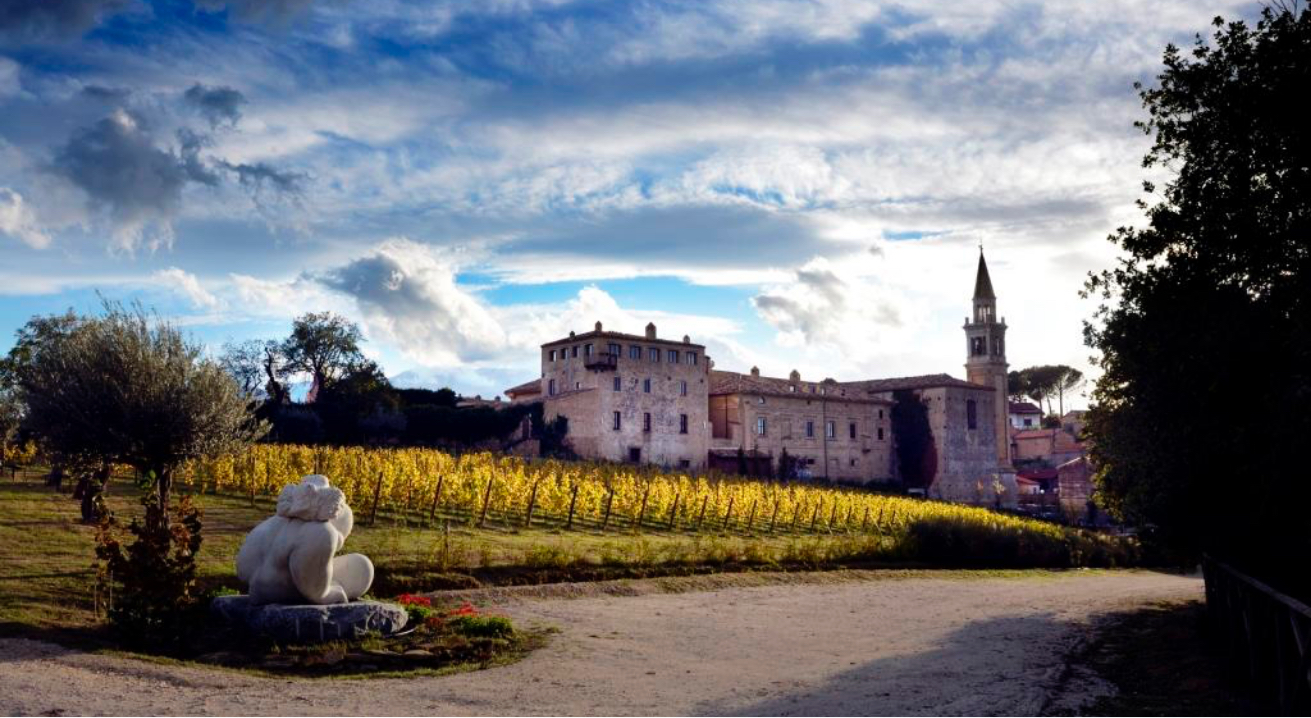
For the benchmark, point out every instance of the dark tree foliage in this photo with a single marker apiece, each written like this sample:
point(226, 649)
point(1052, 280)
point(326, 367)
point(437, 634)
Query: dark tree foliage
point(1204, 405)
point(916, 453)
point(324, 346)
point(428, 397)
point(355, 408)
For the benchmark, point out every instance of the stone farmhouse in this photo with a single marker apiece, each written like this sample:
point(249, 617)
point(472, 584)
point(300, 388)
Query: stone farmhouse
point(648, 399)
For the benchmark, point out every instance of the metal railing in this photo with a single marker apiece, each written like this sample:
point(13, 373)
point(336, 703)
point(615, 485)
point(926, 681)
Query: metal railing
point(1266, 633)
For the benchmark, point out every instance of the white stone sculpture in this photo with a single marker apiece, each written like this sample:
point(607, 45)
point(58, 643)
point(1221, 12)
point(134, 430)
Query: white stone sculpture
point(289, 558)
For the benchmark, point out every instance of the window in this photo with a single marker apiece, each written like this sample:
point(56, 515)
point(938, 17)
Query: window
point(673, 356)
point(853, 462)
point(1028, 422)
point(646, 422)
point(852, 429)
point(553, 355)
point(880, 433)
point(682, 388)
point(792, 388)
point(978, 346)
point(684, 464)
point(691, 358)
point(654, 355)
point(831, 430)
point(550, 388)
point(810, 429)
point(634, 454)
point(634, 352)
point(760, 426)
point(615, 350)
point(760, 400)
point(971, 414)
point(587, 350)
point(619, 384)
point(682, 423)
point(574, 353)
point(617, 421)
point(646, 385)
point(880, 413)
point(578, 385)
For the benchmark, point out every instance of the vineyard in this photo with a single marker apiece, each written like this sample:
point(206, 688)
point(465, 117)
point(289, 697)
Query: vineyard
point(491, 491)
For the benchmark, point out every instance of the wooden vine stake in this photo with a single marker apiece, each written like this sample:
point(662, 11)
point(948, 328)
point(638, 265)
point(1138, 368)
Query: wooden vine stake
point(377, 493)
point(833, 516)
point(609, 502)
point(641, 514)
point(796, 513)
point(773, 519)
point(865, 522)
point(573, 501)
point(487, 501)
point(701, 518)
point(814, 517)
point(532, 503)
point(752, 520)
point(436, 496)
point(673, 511)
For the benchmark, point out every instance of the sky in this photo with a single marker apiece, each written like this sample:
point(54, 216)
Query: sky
point(796, 184)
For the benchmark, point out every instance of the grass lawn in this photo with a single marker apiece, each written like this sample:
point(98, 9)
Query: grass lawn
point(47, 575)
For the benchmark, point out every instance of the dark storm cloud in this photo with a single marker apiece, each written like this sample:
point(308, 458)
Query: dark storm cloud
point(120, 168)
point(259, 175)
point(24, 21)
point(218, 105)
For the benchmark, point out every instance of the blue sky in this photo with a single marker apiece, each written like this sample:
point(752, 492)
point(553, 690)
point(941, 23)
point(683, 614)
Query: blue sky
point(795, 183)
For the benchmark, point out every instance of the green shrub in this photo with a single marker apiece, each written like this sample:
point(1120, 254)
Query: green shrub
point(481, 626)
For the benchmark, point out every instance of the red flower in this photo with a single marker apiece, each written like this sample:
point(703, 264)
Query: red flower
point(407, 599)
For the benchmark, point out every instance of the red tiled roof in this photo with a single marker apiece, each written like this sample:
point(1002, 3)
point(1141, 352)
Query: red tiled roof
point(1023, 407)
point(924, 381)
point(528, 387)
point(1020, 479)
point(731, 382)
point(1035, 434)
point(1037, 474)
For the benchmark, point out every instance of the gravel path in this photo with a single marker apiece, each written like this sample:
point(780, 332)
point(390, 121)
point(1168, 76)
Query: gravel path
point(911, 646)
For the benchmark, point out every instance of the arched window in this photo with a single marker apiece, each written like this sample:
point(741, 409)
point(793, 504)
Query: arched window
point(971, 414)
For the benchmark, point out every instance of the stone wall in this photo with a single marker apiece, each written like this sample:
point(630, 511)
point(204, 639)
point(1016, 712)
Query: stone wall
point(862, 459)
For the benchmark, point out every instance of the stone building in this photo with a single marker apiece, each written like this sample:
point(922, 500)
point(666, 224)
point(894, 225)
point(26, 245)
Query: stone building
point(829, 430)
point(627, 397)
point(646, 399)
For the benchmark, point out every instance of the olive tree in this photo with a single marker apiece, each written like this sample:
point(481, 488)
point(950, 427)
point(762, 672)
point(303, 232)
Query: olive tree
point(128, 387)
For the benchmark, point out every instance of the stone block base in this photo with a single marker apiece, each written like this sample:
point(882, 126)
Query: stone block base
point(311, 623)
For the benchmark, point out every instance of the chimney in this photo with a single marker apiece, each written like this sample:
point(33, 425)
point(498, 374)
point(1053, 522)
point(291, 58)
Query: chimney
point(687, 339)
point(795, 375)
point(571, 335)
point(598, 326)
point(755, 371)
point(650, 330)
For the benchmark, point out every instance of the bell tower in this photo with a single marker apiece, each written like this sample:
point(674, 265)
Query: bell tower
point(985, 363)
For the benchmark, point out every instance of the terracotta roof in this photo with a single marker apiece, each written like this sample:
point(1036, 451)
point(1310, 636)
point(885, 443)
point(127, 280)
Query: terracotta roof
point(924, 381)
point(631, 338)
point(1035, 434)
point(1037, 474)
point(529, 387)
point(1019, 479)
point(731, 382)
point(1024, 407)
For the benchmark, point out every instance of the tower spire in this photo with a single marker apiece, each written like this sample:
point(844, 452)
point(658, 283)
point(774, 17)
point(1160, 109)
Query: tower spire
point(982, 282)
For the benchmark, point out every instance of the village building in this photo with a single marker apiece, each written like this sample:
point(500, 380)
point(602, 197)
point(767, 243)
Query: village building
point(645, 399)
point(1024, 415)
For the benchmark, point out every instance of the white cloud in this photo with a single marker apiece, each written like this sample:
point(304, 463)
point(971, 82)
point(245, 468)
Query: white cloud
point(17, 220)
point(185, 284)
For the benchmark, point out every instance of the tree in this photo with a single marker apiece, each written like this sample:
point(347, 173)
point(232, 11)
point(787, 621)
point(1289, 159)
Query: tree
point(244, 362)
point(324, 346)
point(917, 455)
point(1068, 381)
point(1186, 436)
point(129, 388)
point(1017, 386)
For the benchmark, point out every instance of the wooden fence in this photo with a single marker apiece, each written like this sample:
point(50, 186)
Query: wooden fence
point(1267, 634)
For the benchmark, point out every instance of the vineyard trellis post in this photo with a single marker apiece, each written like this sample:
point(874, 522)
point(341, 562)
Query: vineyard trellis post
point(532, 503)
point(701, 519)
point(814, 517)
point(751, 522)
point(729, 513)
point(833, 516)
point(609, 502)
point(436, 496)
point(796, 514)
point(487, 501)
point(377, 493)
point(573, 500)
point(773, 518)
point(673, 510)
point(641, 514)
point(864, 524)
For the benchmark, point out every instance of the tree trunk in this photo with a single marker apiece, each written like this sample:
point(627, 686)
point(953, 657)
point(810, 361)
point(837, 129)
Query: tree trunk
point(163, 488)
point(95, 487)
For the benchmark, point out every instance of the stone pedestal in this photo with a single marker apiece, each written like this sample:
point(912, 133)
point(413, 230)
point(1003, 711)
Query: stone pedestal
point(309, 623)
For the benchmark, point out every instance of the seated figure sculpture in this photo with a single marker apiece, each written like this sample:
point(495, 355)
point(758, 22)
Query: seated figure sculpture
point(289, 558)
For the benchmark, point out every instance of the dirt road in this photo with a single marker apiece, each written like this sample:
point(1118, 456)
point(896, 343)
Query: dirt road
point(909, 646)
